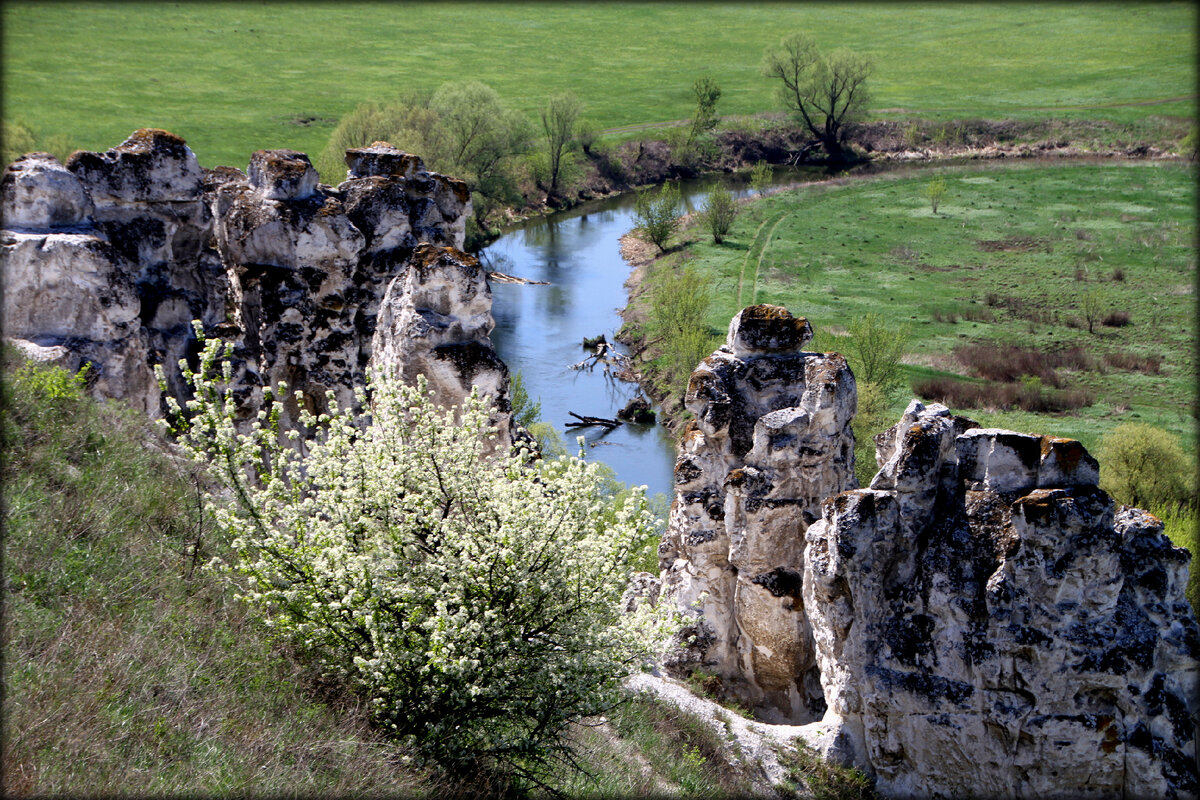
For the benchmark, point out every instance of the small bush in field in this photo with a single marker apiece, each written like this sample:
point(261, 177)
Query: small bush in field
point(719, 213)
point(1145, 466)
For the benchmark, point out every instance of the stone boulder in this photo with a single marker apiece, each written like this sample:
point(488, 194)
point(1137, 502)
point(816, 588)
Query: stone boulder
point(770, 440)
point(151, 207)
point(987, 623)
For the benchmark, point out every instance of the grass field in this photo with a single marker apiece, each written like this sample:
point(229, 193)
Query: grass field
point(1008, 260)
point(235, 77)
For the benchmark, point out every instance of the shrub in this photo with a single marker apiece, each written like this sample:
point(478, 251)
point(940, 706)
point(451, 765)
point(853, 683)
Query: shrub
point(658, 215)
point(1144, 466)
point(473, 599)
point(719, 213)
point(1149, 364)
point(1117, 319)
point(1006, 363)
point(1028, 395)
point(875, 349)
point(760, 177)
point(872, 417)
point(935, 190)
point(678, 301)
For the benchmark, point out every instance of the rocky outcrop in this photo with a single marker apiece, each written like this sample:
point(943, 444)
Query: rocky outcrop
point(771, 439)
point(70, 296)
point(434, 321)
point(109, 259)
point(988, 623)
point(981, 621)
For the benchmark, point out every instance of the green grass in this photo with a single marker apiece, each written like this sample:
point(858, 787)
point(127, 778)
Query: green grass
point(1020, 245)
point(129, 669)
point(235, 77)
point(649, 748)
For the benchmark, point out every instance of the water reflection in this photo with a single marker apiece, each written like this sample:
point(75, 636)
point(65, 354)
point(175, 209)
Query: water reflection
point(540, 329)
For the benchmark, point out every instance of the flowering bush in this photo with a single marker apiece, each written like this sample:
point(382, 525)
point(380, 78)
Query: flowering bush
point(473, 597)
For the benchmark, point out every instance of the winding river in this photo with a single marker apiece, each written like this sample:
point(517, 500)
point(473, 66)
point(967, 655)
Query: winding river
point(540, 329)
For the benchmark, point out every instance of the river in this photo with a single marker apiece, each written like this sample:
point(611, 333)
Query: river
point(540, 329)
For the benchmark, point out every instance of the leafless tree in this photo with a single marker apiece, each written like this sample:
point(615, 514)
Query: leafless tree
point(824, 92)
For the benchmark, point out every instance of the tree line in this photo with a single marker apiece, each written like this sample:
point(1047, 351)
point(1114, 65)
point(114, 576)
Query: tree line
point(467, 130)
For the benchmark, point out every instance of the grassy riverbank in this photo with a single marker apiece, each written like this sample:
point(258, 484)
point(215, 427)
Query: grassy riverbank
point(1008, 262)
point(232, 78)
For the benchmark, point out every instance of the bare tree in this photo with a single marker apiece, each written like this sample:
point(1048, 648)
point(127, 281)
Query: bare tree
point(824, 92)
point(558, 123)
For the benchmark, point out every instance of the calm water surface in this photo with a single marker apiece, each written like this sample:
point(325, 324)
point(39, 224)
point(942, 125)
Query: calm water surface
point(540, 329)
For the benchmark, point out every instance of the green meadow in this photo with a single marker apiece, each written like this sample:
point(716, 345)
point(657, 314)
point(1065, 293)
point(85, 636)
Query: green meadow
point(232, 78)
point(1007, 260)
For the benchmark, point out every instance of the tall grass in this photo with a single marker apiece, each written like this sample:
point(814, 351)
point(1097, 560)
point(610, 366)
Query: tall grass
point(129, 669)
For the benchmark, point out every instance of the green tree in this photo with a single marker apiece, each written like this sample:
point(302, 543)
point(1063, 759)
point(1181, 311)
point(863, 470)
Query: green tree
point(705, 117)
point(871, 418)
point(935, 190)
point(658, 215)
point(525, 410)
point(825, 93)
point(1144, 466)
point(473, 599)
point(558, 125)
point(875, 350)
point(719, 212)
point(1093, 304)
point(463, 129)
point(679, 299)
point(760, 177)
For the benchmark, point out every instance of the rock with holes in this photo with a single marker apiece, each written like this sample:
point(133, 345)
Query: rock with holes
point(150, 204)
point(69, 298)
point(771, 439)
point(986, 620)
point(114, 255)
point(435, 320)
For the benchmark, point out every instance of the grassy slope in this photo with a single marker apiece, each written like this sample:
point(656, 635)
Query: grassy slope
point(130, 670)
point(842, 249)
point(232, 78)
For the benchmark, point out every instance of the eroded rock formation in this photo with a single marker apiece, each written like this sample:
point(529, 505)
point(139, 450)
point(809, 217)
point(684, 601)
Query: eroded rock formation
point(988, 623)
point(770, 440)
point(109, 258)
point(981, 621)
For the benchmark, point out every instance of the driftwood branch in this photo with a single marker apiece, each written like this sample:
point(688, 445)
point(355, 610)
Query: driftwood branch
point(585, 421)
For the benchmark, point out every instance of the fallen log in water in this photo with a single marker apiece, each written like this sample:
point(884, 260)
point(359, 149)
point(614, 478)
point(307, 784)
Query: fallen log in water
point(585, 422)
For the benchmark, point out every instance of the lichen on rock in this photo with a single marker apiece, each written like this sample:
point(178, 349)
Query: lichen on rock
point(114, 255)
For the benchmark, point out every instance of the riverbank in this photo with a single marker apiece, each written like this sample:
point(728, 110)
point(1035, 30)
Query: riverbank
point(609, 169)
point(1005, 263)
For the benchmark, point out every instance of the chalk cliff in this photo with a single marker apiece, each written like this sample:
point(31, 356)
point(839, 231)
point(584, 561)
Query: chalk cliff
point(108, 259)
point(981, 621)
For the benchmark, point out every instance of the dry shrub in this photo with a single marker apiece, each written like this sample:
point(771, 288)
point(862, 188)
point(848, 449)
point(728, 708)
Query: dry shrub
point(1133, 362)
point(999, 363)
point(1027, 395)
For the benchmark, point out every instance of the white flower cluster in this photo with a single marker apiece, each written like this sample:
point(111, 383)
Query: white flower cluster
point(475, 598)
